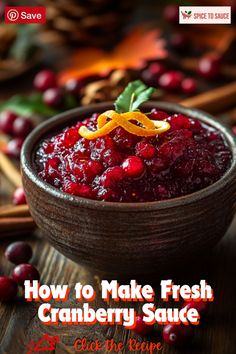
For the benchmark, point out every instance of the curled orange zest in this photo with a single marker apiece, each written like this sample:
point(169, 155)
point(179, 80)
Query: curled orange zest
point(149, 127)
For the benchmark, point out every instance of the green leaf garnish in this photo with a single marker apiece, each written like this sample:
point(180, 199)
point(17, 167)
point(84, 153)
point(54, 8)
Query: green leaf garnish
point(28, 105)
point(133, 96)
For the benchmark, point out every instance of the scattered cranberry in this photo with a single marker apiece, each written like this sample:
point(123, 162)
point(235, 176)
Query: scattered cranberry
point(152, 73)
point(234, 130)
point(142, 328)
point(178, 41)
point(201, 306)
point(74, 86)
point(24, 272)
point(7, 119)
point(22, 127)
point(171, 80)
point(8, 289)
point(18, 252)
point(189, 86)
point(177, 335)
point(19, 196)
point(13, 147)
point(171, 14)
point(45, 80)
point(133, 166)
point(209, 67)
point(53, 97)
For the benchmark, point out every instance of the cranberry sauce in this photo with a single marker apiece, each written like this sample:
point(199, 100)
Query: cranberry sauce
point(122, 167)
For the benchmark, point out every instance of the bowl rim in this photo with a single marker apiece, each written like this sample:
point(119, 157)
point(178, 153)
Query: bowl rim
point(42, 130)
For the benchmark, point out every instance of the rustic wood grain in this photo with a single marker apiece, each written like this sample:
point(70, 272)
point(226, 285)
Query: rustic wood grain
point(19, 322)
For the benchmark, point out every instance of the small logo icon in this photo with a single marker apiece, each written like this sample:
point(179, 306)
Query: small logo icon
point(25, 14)
point(12, 15)
point(186, 14)
point(45, 344)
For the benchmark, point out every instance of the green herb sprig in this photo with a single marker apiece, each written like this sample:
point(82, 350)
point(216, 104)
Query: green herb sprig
point(133, 96)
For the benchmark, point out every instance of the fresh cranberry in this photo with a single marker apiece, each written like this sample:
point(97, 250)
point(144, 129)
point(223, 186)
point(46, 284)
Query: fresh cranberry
point(189, 86)
point(18, 252)
point(85, 191)
point(70, 138)
point(111, 158)
point(13, 147)
point(112, 176)
point(95, 167)
point(51, 168)
point(8, 289)
point(158, 115)
point(80, 190)
point(7, 119)
point(22, 127)
point(171, 14)
point(87, 170)
point(177, 335)
point(142, 328)
point(133, 166)
point(179, 121)
point(171, 80)
point(19, 196)
point(45, 80)
point(24, 272)
point(201, 306)
point(209, 67)
point(152, 73)
point(74, 86)
point(145, 150)
point(53, 97)
point(178, 41)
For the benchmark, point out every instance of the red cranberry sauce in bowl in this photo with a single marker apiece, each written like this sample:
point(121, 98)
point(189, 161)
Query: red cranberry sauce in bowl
point(123, 167)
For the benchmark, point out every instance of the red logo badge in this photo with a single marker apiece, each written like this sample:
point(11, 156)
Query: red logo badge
point(25, 14)
point(45, 344)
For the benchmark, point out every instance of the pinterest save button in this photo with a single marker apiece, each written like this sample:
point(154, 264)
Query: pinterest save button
point(25, 14)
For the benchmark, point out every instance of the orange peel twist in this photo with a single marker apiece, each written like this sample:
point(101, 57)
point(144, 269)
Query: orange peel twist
point(149, 127)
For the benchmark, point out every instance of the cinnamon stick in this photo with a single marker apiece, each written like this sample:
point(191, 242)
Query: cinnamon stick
point(215, 100)
point(9, 170)
point(16, 224)
point(191, 64)
point(14, 211)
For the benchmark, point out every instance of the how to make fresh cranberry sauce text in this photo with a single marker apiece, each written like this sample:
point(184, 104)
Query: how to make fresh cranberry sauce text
point(111, 290)
point(124, 167)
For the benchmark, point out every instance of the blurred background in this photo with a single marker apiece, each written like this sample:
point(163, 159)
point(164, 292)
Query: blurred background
point(91, 49)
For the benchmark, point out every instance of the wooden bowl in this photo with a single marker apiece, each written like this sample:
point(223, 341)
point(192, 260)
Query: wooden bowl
point(129, 238)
